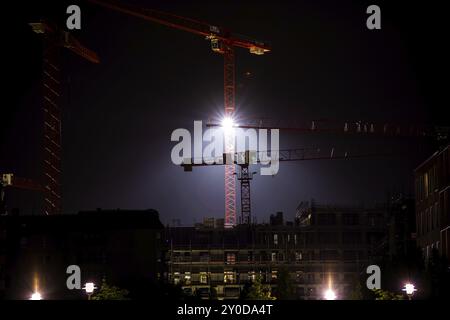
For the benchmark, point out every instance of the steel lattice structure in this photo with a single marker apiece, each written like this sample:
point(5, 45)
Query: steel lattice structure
point(52, 128)
point(53, 40)
point(223, 42)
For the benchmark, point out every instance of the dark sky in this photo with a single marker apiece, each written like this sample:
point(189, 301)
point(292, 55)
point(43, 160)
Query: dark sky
point(118, 116)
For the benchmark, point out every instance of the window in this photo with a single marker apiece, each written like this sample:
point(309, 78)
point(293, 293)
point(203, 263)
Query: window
point(327, 219)
point(436, 212)
point(310, 238)
point(275, 239)
point(176, 278)
point(252, 275)
point(422, 223)
point(23, 242)
point(329, 255)
point(350, 219)
point(230, 258)
point(351, 237)
point(298, 256)
point(327, 237)
point(274, 274)
point(273, 257)
point(187, 278)
point(203, 277)
point(295, 239)
point(350, 255)
point(433, 218)
point(250, 256)
point(299, 276)
point(204, 256)
point(228, 277)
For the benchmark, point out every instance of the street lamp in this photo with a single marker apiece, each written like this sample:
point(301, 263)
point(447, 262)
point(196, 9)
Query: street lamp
point(89, 287)
point(329, 294)
point(36, 296)
point(409, 289)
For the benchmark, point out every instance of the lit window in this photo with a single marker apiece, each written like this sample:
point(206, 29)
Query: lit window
point(274, 257)
point(275, 239)
point(187, 277)
point(176, 278)
point(203, 277)
point(274, 275)
point(298, 256)
point(228, 277)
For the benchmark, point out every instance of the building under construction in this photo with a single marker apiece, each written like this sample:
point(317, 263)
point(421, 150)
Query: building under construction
point(325, 246)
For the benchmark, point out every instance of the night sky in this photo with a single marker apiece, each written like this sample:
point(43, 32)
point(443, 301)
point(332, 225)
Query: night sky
point(118, 116)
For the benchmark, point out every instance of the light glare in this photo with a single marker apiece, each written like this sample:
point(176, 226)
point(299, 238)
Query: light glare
point(330, 295)
point(36, 296)
point(409, 288)
point(227, 123)
point(89, 287)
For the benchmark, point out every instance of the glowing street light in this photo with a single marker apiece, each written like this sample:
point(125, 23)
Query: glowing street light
point(36, 296)
point(89, 287)
point(409, 289)
point(330, 294)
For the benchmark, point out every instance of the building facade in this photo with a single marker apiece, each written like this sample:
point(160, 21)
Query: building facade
point(432, 185)
point(326, 246)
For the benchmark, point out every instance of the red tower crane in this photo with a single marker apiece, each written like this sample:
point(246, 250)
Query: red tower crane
point(245, 159)
point(366, 128)
point(54, 39)
point(222, 41)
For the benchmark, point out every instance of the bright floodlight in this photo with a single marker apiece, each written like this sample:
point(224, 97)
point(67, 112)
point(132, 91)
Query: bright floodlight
point(36, 296)
point(409, 289)
point(89, 287)
point(330, 295)
point(227, 123)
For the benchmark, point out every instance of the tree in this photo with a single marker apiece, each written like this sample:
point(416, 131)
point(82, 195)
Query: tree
point(357, 292)
point(386, 295)
point(258, 291)
point(108, 292)
point(285, 289)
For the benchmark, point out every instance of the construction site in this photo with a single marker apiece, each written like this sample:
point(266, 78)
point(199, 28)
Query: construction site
point(172, 158)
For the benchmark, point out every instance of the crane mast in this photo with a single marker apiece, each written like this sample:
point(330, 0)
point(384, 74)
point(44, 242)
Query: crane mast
point(53, 40)
point(223, 42)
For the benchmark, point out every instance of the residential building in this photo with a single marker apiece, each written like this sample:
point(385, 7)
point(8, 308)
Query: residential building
point(432, 182)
